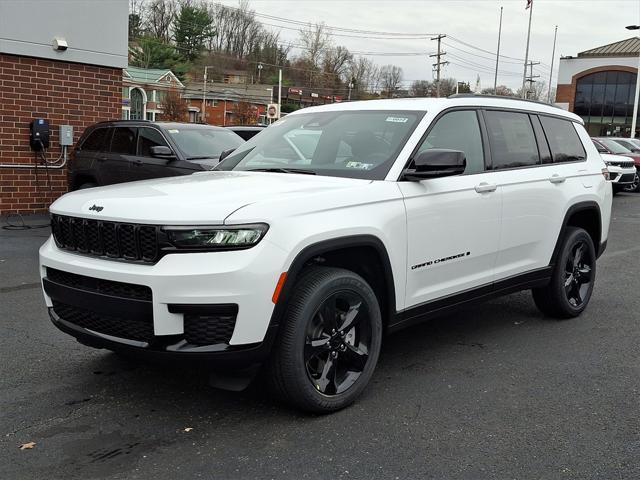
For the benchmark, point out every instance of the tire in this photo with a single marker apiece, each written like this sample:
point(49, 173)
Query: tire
point(573, 277)
point(635, 186)
point(87, 185)
point(325, 354)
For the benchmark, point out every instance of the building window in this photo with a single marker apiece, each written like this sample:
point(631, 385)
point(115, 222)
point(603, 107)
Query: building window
point(605, 101)
point(151, 116)
point(136, 105)
point(125, 114)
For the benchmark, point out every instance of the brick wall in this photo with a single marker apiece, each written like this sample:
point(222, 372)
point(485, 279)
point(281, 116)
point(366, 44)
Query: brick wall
point(62, 92)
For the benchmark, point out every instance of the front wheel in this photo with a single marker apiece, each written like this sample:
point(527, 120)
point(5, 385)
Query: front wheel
point(329, 341)
point(573, 277)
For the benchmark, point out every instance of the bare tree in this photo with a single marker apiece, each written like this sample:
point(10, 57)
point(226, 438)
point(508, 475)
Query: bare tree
point(421, 88)
point(315, 40)
point(391, 78)
point(244, 113)
point(335, 65)
point(534, 91)
point(174, 107)
point(501, 90)
point(159, 17)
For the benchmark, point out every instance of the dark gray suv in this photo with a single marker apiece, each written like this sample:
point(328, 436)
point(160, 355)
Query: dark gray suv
point(127, 150)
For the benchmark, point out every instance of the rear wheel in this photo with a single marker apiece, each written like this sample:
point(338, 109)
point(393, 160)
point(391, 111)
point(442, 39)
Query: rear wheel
point(572, 281)
point(329, 343)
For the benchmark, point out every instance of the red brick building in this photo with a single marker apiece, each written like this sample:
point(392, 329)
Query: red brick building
point(228, 104)
point(77, 86)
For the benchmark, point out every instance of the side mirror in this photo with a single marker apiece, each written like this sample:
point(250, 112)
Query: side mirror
point(225, 154)
point(162, 151)
point(435, 163)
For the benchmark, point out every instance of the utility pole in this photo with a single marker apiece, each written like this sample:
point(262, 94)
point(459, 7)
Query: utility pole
point(203, 116)
point(553, 57)
point(439, 64)
point(526, 54)
point(531, 79)
point(495, 78)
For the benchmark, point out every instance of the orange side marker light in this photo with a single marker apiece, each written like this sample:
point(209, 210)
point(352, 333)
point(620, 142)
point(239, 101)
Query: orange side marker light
point(276, 292)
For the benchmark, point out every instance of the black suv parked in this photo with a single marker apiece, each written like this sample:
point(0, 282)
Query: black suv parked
point(127, 150)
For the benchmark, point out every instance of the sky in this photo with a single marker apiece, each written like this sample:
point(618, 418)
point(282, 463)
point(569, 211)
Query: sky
point(582, 24)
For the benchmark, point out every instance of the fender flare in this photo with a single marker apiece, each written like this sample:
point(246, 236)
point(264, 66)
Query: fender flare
point(316, 249)
point(573, 209)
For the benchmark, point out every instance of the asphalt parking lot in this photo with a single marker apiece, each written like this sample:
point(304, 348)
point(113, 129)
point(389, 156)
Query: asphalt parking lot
point(495, 391)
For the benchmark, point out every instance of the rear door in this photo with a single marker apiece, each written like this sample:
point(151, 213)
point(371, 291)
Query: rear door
point(85, 167)
point(453, 223)
point(538, 173)
point(115, 164)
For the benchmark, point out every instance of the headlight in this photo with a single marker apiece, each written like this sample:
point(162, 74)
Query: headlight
point(216, 237)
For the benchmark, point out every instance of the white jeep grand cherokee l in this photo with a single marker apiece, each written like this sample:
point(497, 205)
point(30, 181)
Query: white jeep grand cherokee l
point(333, 226)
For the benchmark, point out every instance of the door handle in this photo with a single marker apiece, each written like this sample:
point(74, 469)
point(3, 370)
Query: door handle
point(485, 187)
point(555, 178)
point(102, 159)
point(137, 161)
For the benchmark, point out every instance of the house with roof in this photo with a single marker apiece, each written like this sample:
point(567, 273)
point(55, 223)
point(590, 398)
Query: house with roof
point(599, 85)
point(143, 90)
point(227, 104)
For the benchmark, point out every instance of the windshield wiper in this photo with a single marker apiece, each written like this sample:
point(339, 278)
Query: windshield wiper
point(212, 157)
point(282, 170)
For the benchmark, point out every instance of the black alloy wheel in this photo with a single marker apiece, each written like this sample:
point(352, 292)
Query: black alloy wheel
point(577, 274)
point(572, 279)
point(328, 341)
point(338, 341)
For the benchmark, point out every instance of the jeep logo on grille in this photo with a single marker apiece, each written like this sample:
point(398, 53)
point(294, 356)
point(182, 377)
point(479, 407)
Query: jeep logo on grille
point(96, 208)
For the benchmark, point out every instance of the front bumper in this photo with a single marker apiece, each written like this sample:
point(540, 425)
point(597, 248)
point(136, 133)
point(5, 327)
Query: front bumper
point(621, 176)
point(181, 288)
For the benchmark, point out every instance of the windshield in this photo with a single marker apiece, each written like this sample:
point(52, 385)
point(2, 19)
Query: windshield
point(614, 147)
point(355, 144)
point(204, 142)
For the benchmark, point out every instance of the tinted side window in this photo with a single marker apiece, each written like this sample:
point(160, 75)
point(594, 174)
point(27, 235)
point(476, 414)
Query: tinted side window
point(124, 140)
point(600, 148)
point(513, 143)
point(147, 138)
point(96, 140)
point(458, 130)
point(563, 139)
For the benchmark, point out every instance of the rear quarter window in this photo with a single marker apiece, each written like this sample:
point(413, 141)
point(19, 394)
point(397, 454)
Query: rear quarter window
point(564, 142)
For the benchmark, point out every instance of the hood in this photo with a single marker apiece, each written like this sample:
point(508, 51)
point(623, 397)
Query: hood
point(635, 156)
point(204, 197)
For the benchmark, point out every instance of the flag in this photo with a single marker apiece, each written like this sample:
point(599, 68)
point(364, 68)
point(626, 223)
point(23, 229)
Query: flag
point(529, 3)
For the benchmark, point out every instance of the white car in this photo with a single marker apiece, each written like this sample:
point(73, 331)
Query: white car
point(335, 225)
point(622, 170)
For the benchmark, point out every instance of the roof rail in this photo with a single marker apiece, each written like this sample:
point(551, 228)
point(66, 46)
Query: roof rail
point(501, 97)
point(144, 120)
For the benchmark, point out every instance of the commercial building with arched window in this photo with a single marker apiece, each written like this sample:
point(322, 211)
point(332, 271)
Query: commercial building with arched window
point(599, 85)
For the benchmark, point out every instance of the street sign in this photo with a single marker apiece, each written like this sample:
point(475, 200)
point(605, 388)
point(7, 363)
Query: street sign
point(272, 111)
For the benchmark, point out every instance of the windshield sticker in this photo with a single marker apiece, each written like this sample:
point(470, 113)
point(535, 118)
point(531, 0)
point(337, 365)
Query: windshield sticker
point(359, 165)
point(173, 130)
point(397, 119)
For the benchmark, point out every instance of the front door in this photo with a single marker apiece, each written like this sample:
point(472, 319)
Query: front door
point(146, 165)
point(453, 223)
